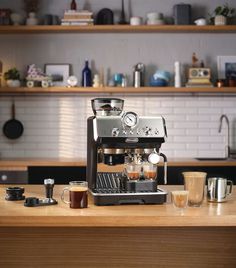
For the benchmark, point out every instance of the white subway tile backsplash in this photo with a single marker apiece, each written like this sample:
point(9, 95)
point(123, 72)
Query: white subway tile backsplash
point(56, 126)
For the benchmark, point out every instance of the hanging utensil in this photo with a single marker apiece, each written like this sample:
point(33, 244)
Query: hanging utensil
point(13, 128)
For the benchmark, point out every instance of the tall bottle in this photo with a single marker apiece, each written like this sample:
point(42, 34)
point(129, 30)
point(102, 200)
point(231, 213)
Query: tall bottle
point(86, 75)
point(177, 74)
point(73, 5)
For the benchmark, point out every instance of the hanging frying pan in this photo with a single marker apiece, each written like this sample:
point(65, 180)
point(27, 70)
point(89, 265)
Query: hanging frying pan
point(13, 128)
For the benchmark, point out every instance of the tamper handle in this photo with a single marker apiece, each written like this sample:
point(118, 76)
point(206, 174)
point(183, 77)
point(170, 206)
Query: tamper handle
point(49, 184)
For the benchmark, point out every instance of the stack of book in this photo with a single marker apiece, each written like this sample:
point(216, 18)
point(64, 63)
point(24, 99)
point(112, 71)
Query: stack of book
point(199, 82)
point(74, 17)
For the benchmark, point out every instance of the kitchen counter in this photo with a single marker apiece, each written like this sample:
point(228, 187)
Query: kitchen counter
point(16, 215)
point(116, 236)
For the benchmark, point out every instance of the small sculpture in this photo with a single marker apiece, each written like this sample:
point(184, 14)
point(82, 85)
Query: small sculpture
point(37, 76)
point(194, 60)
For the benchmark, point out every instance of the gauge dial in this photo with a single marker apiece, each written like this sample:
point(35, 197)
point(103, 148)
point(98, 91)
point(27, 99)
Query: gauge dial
point(130, 119)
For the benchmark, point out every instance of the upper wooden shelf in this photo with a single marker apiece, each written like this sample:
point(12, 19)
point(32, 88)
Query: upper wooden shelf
point(127, 90)
point(37, 29)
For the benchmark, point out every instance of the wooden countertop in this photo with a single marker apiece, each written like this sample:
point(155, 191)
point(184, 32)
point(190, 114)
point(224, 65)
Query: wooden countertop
point(23, 163)
point(14, 214)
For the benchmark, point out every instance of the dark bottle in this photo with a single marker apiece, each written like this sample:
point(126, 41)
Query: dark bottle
point(86, 75)
point(73, 5)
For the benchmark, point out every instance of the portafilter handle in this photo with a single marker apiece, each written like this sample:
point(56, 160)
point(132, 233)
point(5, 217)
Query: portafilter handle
point(165, 167)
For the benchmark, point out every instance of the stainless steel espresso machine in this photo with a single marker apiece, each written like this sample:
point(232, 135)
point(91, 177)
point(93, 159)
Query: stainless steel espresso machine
point(123, 155)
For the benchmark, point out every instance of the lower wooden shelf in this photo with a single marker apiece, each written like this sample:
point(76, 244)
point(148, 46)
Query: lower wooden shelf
point(113, 90)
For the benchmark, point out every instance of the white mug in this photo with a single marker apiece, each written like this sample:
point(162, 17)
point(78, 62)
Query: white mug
point(135, 21)
point(200, 22)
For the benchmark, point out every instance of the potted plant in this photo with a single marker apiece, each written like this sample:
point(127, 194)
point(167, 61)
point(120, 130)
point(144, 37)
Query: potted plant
point(221, 14)
point(12, 77)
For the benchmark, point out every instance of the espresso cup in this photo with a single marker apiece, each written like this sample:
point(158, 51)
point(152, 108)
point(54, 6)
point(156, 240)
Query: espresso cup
point(78, 194)
point(133, 171)
point(149, 171)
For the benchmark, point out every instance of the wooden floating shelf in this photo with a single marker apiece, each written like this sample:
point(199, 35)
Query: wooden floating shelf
point(37, 29)
point(114, 90)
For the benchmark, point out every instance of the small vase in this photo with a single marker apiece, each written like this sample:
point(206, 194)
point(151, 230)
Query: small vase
point(13, 83)
point(220, 20)
point(32, 20)
point(17, 19)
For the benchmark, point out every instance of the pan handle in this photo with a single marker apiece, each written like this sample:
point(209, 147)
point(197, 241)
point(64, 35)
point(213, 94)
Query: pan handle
point(13, 110)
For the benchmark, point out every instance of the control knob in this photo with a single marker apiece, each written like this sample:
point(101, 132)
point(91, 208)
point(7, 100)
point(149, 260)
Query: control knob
point(115, 132)
point(148, 131)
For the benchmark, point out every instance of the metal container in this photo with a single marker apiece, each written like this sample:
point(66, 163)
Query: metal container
point(218, 189)
point(107, 106)
point(138, 75)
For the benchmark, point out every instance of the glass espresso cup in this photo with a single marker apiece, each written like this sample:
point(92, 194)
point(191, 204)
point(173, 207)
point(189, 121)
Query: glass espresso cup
point(133, 171)
point(78, 194)
point(149, 171)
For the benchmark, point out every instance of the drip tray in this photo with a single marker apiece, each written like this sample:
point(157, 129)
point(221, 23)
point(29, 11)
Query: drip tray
point(112, 190)
point(122, 198)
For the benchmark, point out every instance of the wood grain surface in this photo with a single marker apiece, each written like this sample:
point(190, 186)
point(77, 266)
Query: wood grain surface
point(118, 247)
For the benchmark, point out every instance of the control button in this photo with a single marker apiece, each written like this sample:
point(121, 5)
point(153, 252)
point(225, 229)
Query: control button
point(124, 132)
point(115, 132)
point(131, 132)
point(148, 131)
point(139, 131)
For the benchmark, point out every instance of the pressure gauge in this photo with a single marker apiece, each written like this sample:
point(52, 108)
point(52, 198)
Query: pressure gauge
point(130, 119)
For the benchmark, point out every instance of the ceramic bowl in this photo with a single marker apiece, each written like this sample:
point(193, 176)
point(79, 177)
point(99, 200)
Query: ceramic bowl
point(158, 82)
point(162, 75)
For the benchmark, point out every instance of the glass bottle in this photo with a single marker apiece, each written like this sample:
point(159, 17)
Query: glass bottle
point(86, 75)
point(73, 5)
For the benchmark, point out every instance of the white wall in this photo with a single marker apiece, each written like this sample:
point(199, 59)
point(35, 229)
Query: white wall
point(55, 125)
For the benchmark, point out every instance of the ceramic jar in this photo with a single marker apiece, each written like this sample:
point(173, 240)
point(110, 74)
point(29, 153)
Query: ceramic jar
point(220, 20)
point(32, 20)
point(17, 19)
point(13, 83)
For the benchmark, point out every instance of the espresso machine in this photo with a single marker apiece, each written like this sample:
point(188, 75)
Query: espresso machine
point(123, 155)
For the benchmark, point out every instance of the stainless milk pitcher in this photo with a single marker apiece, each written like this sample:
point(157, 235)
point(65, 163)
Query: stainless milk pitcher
point(218, 189)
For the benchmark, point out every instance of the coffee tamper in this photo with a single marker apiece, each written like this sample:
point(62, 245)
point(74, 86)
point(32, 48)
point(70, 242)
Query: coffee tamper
point(49, 184)
point(35, 202)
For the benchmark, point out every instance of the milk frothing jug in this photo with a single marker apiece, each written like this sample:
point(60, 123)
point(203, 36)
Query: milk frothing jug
point(218, 189)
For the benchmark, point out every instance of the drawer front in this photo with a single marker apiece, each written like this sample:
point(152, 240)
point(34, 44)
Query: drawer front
point(13, 177)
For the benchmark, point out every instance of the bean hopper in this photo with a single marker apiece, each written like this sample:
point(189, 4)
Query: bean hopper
point(123, 155)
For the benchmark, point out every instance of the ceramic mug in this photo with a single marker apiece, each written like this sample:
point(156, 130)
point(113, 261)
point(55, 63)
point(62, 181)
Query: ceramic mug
point(135, 21)
point(200, 22)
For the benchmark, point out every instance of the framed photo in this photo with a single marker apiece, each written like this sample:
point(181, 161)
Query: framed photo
point(59, 73)
point(226, 66)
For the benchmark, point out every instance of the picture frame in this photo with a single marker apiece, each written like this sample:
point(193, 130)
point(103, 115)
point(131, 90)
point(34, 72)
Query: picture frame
point(58, 72)
point(226, 67)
